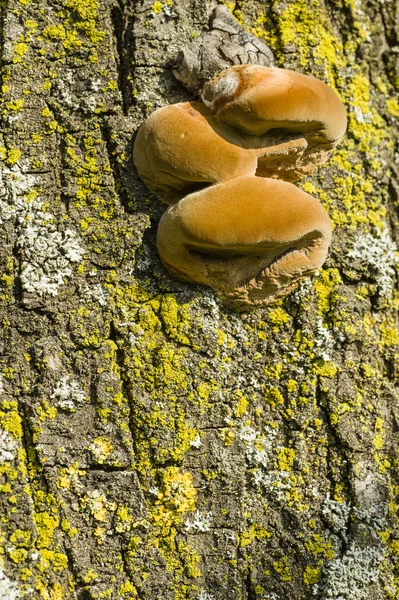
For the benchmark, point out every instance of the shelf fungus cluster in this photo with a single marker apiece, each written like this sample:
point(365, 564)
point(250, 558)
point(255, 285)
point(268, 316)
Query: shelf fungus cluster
point(226, 167)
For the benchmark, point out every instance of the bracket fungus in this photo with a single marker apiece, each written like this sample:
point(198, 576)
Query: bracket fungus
point(230, 223)
point(182, 147)
point(257, 100)
point(248, 238)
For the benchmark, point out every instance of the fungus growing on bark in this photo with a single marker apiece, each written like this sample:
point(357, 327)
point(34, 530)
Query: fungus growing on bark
point(183, 147)
point(258, 100)
point(250, 239)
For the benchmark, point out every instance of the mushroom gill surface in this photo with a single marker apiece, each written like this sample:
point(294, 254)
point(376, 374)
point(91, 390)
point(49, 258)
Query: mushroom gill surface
point(250, 239)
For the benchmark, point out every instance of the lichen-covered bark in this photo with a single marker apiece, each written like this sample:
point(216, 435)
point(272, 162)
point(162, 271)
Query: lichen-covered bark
point(154, 444)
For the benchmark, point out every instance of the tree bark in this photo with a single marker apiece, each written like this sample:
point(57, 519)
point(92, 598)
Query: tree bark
point(154, 444)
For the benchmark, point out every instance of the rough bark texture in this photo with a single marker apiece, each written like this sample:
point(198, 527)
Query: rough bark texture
point(153, 444)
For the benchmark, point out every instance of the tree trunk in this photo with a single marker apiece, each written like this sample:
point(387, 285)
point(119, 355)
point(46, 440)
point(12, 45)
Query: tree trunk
point(154, 444)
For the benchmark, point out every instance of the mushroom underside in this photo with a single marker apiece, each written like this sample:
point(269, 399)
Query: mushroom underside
point(236, 288)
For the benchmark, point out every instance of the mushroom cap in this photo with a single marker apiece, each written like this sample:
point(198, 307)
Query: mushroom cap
point(182, 147)
point(256, 99)
point(251, 239)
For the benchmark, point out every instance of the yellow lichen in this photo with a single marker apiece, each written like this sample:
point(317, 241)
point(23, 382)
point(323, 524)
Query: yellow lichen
point(311, 575)
point(157, 8)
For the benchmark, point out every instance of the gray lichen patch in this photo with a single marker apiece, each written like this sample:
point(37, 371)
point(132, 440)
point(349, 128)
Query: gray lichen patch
point(47, 253)
point(8, 447)
point(8, 588)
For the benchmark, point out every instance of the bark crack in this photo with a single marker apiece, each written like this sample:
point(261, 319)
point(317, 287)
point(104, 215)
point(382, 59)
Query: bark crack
point(251, 594)
point(120, 187)
point(340, 447)
point(123, 27)
point(3, 9)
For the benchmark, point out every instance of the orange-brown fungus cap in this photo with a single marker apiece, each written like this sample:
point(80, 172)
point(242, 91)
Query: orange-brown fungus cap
point(182, 147)
point(257, 99)
point(250, 239)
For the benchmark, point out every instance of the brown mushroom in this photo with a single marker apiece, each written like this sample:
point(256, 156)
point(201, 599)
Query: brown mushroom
point(250, 239)
point(182, 147)
point(258, 100)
